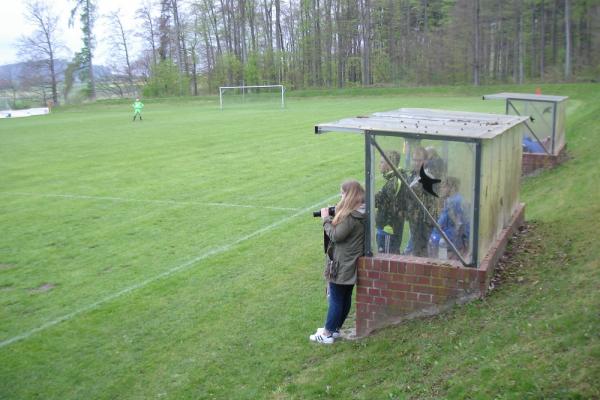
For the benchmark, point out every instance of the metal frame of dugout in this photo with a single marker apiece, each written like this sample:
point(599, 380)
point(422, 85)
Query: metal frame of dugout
point(483, 149)
point(547, 117)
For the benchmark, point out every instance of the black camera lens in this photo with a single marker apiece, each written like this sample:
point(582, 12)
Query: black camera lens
point(317, 213)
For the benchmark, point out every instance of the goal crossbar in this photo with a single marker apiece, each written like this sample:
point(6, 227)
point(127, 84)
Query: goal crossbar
point(243, 88)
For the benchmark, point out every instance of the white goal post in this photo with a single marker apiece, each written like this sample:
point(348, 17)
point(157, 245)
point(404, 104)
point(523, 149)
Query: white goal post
point(244, 89)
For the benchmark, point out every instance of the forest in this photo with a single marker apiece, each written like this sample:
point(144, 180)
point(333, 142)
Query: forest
point(336, 43)
point(193, 47)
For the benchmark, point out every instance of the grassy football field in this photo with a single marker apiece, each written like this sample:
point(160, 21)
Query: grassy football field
point(177, 257)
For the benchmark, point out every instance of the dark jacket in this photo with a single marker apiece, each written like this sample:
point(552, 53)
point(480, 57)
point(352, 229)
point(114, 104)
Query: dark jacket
point(388, 202)
point(347, 242)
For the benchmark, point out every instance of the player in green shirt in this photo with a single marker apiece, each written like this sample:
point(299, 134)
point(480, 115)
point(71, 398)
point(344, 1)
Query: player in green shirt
point(137, 109)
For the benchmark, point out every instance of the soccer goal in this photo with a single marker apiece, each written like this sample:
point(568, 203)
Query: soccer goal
point(246, 94)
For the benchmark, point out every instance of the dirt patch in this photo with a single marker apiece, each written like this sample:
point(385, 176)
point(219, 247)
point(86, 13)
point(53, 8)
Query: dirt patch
point(46, 287)
point(5, 288)
point(510, 267)
point(6, 266)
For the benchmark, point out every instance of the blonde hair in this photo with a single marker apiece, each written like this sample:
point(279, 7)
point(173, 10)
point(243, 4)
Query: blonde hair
point(354, 197)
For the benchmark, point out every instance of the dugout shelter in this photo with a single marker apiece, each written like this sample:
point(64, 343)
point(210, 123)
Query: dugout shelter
point(544, 139)
point(477, 159)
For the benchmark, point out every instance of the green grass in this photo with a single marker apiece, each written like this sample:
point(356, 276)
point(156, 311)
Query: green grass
point(131, 269)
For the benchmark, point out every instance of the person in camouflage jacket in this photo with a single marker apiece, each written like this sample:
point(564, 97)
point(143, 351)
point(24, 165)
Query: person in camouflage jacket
point(389, 217)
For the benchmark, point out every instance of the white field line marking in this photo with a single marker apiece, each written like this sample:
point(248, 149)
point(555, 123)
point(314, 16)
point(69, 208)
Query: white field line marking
point(123, 199)
point(165, 274)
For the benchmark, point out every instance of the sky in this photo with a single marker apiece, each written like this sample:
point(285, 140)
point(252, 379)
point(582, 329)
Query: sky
point(13, 25)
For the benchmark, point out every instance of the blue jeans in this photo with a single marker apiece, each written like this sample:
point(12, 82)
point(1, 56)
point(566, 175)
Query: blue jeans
point(340, 301)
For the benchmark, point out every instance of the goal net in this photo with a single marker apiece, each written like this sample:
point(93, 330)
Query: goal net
point(265, 94)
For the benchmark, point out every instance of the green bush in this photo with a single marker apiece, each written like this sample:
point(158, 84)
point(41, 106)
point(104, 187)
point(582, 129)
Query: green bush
point(166, 80)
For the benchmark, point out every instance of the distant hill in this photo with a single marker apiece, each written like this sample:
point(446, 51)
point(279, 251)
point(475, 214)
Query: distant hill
point(15, 72)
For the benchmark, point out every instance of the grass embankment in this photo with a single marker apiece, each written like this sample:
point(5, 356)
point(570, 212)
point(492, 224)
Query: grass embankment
point(132, 242)
point(537, 336)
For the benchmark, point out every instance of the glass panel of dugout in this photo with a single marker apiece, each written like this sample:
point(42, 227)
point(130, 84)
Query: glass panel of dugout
point(545, 128)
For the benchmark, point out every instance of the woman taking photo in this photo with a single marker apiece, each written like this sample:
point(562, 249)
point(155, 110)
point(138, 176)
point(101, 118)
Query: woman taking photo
point(346, 232)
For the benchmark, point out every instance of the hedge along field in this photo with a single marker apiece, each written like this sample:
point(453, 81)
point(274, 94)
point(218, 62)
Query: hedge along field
point(177, 257)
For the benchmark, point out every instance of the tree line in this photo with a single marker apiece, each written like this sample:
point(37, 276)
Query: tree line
point(195, 46)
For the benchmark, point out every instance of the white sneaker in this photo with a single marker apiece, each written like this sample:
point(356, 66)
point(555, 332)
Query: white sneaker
point(321, 339)
point(320, 331)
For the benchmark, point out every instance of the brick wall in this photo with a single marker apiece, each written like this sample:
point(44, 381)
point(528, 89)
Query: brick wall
point(531, 162)
point(392, 288)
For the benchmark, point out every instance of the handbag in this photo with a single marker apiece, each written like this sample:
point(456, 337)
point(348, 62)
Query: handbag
point(330, 265)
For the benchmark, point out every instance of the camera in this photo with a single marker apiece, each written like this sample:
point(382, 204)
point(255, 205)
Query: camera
point(317, 213)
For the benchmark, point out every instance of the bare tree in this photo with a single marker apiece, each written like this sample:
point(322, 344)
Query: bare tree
point(148, 31)
point(568, 67)
point(519, 68)
point(365, 22)
point(194, 44)
point(251, 17)
point(555, 31)
point(278, 31)
point(476, 44)
point(179, 39)
point(542, 38)
point(43, 43)
point(120, 44)
point(214, 24)
point(164, 29)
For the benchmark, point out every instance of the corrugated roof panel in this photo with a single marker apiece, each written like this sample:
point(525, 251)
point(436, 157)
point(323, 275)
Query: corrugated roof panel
point(525, 96)
point(428, 122)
